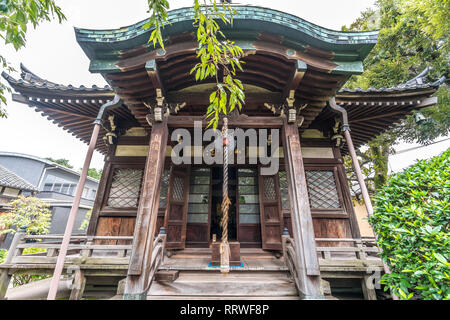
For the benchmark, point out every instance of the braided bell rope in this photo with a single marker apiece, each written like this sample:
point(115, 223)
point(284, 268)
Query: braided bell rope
point(224, 246)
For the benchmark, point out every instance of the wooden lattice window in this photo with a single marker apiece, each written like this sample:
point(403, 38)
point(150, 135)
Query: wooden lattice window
point(164, 189)
point(178, 188)
point(284, 191)
point(125, 188)
point(322, 189)
point(269, 188)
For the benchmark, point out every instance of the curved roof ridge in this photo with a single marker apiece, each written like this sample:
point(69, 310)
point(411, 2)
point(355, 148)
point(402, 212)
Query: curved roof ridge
point(31, 80)
point(256, 18)
point(144, 21)
point(418, 82)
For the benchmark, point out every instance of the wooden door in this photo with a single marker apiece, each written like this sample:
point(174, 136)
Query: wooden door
point(199, 208)
point(175, 220)
point(248, 208)
point(270, 210)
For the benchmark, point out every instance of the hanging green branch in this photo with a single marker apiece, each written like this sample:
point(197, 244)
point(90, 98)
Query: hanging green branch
point(216, 53)
point(158, 16)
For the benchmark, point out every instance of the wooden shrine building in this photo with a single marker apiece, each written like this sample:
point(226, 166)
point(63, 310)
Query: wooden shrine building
point(293, 225)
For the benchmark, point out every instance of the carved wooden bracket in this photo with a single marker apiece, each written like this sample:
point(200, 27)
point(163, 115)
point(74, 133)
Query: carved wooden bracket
point(337, 138)
point(110, 137)
point(292, 112)
point(162, 109)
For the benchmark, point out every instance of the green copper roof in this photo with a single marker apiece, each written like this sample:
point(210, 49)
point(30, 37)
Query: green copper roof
point(249, 22)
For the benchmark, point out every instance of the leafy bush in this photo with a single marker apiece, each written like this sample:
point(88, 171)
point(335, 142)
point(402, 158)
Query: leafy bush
point(36, 216)
point(27, 211)
point(20, 279)
point(85, 223)
point(411, 219)
point(3, 253)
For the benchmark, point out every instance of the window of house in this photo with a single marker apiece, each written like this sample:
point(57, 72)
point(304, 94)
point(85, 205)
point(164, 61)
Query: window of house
point(85, 192)
point(65, 188)
point(56, 184)
point(71, 190)
point(57, 187)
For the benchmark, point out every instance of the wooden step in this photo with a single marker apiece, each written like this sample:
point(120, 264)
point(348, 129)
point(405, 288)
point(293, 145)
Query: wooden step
point(120, 297)
point(223, 298)
point(233, 284)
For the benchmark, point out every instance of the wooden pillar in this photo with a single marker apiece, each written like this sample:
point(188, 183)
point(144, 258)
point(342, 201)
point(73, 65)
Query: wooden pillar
point(73, 213)
point(368, 288)
point(144, 231)
point(79, 283)
point(100, 197)
point(302, 226)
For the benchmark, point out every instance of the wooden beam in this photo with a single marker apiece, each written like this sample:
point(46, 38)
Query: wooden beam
point(384, 115)
point(138, 271)
point(302, 225)
point(242, 121)
point(427, 102)
point(296, 77)
point(43, 108)
point(153, 73)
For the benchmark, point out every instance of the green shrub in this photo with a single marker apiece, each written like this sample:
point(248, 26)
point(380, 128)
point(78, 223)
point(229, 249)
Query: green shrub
point(3, 253)
point(20, 279)
point(411, 219)
point(27, 211)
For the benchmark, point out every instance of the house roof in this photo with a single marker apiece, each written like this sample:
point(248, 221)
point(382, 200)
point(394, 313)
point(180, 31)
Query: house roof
point(283, 53)
point(45, 161)
point(247, 19)
point(70, 107)
point(420, 82)
point(371, 111)
point(11, 180)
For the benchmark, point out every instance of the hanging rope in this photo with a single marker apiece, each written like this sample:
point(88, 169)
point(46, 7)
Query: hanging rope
point(224, 246)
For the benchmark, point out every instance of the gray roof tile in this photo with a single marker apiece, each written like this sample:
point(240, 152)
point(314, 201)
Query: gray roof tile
point(12, 180)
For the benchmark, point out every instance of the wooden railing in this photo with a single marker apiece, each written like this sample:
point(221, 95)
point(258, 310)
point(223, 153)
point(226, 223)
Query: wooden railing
point(342, 254)
point(81, 250)
point(345, 248)
point(289, 253)
point(159, 245)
